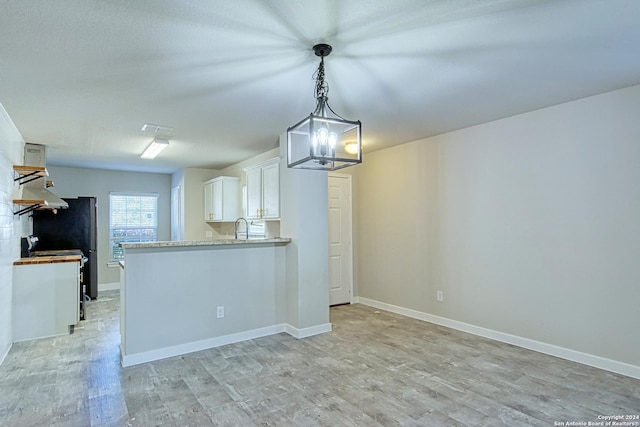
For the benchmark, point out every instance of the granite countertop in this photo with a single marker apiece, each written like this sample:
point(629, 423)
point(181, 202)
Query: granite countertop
point(48, 259)
point(219, 242)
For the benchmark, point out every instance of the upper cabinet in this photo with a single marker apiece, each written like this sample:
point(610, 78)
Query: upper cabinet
point(263, 190)
point(222, 199)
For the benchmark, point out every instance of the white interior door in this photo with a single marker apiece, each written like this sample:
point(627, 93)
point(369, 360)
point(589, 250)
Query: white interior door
point(176, 214)
point(340, 250)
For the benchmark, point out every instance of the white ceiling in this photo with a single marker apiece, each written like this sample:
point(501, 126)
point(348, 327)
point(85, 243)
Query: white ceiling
point(82, 77)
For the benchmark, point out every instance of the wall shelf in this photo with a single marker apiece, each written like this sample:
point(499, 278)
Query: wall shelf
point(29, 205)
point(29, 173)
point(23, 175)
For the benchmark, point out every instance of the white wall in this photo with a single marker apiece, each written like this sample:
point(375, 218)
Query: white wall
point(191, 180)
point(74, 182)
point(530, 225)
point(11, 226)
point(194, 281)
point(304, 210)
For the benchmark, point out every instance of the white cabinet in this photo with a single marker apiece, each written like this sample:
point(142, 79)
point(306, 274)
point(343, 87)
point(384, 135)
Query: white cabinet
point(46, 299)
point(222, 199)
point(254, 192)
point(263, 190)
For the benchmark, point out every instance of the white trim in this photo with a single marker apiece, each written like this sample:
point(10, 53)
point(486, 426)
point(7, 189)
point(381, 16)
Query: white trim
point(261, 164)
point(307, 332)
point(623, 368)
point(177, 350)
point(6, 354)
point(108, 286)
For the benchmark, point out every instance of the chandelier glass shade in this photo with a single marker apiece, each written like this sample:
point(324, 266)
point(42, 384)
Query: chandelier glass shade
point(323, 140)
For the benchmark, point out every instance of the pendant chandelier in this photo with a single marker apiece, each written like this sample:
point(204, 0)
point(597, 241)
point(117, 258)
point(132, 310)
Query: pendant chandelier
point(323, 140)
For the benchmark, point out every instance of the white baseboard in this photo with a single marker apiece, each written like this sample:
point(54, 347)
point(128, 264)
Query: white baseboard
point(4, 356)
point(108, 286)
point(541, 347)
point(307, 332)
point(177, 350)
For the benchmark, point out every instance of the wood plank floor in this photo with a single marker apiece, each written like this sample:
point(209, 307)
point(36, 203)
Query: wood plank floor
point(375, 368)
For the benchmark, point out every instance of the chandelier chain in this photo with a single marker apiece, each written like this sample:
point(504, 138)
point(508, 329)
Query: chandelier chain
point(322, 87)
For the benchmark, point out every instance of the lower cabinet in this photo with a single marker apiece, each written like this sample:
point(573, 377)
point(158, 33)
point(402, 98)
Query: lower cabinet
point(45, 299)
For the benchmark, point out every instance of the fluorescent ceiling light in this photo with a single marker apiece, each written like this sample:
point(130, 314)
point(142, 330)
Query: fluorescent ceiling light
point(156, 146)
point(150, 127)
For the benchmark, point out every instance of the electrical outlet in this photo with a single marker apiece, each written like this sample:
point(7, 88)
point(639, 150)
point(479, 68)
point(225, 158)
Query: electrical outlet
point(220, 312)
point(208, 233)
point(439, 296)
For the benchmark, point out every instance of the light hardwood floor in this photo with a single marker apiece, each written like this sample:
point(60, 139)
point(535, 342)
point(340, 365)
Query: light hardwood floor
point(375, 368)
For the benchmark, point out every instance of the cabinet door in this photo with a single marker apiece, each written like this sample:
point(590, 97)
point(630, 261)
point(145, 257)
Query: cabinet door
point(76, 307)
point(46, 299)
point(271, 191)
point(208, 201)
point(216, 197)
point(254, 193)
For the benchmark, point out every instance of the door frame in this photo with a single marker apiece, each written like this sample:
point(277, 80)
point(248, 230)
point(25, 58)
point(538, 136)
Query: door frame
point(349, 179)
point(177, 213)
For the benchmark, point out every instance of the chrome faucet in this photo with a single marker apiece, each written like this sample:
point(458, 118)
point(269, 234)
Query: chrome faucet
point(246, 227)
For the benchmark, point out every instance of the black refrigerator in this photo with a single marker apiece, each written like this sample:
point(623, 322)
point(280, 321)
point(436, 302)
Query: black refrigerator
point(72, 228)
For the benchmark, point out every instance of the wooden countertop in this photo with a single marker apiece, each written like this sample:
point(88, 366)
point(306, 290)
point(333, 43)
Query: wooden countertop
point(48, 259)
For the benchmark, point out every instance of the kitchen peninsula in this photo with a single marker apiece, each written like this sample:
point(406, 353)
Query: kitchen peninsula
point(182, 296)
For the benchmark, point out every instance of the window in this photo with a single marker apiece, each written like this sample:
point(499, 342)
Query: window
point(133, 218)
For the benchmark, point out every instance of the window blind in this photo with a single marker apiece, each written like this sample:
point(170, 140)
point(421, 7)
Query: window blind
point(133, 218)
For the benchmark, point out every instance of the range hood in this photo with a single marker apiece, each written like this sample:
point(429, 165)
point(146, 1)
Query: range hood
point(35, 190)
point(40, 193)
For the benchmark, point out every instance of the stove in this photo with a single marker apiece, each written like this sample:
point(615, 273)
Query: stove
point(61, 252)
